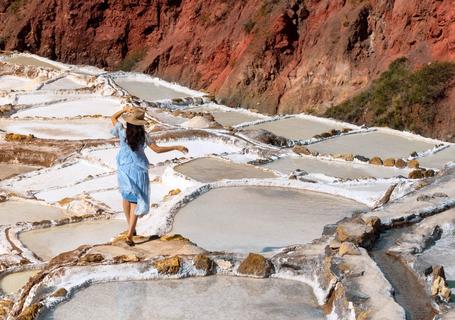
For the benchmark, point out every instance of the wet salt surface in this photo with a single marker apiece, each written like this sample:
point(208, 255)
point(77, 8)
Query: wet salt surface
point(233, 118)
point(149, 91)
point(52, 178)
point(103, 106)
point(260, 219)
point(77, 129)
point(296, 128)
point(14, 211)
point(337, 169)
point(30, 61)
point(213, 297)
point(16, 83)
point(49, 242)
point(13, 282)
point(442, 253)
point(439, 159)
point(213, 169)
point(63, 83)
point(8, 170)
point(371, 144)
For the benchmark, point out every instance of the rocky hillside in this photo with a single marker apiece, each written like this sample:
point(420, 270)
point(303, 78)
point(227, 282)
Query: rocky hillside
point(276, 56)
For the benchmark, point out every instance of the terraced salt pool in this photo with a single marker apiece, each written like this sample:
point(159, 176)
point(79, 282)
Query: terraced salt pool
point(16, 83)
point(339, 169)
point(77, 129)
point(207, 298)
point(31, 61)
point(13, 282)
point(371, 144)
point(65, 83)
point(296, 128)
point(8, 170)
point(439, 159)
point(47, 243)
point(233, 118)
point(214, 169)
point(14, 211)
point(104, 106)
point(148, 90)
point(260, 219)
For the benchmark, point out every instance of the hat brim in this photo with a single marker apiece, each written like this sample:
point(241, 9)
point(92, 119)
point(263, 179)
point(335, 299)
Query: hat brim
point(133, 120)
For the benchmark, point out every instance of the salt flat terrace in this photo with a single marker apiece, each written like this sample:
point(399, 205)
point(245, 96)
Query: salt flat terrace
point(149, 90)
point(371, 144)
point(260, 219)
point(48, 242)
point(296, 128)
point(213, 169)
point(214, 297)
point(62, 129)
point(11, 283)
point(14, 211)
point(333, 168)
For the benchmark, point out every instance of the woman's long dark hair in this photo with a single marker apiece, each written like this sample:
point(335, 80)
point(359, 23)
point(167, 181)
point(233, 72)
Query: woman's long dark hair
point(135, 136)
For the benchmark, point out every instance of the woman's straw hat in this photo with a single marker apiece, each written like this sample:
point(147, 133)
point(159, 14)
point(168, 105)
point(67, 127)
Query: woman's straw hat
point(136, 117)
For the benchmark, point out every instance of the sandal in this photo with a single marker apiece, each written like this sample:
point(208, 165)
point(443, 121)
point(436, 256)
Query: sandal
point(129, 242)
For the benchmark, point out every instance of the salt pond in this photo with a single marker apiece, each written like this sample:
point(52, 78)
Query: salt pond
point(47, 243)
point(339, 169)
point(77, 129)
point(439, 159)
point(16, 83)
point(14, 211)
point(213, 169)
point(8, 170)
point(31, 61)
point(260, 218)
point(64, 83)
point(233, 118)
point(441, 253)
point(371, 144)
point(297, 128)
point(148, 90)
point(212, 297)
point(13, 282)
point(104, 106)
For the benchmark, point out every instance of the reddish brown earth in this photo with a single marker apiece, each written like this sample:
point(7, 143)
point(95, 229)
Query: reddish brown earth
point(276, 56)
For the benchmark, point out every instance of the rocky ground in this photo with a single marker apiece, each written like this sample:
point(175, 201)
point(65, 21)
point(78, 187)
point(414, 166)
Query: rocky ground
point(76, 177)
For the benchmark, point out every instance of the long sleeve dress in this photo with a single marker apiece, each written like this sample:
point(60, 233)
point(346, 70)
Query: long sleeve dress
point(132, 172)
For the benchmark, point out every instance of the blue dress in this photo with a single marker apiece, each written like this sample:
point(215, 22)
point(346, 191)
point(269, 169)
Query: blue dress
point(132, 172)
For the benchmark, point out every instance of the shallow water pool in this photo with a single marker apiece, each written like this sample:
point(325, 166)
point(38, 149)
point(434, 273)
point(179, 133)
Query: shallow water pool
point(49, 242)
point(296, 128)
point(339, 169)
point(13, 282)
point(371, 144)
point(260, 219)
point(214, 169)
point(148, 90)
point(14, 211)
point(215, 297)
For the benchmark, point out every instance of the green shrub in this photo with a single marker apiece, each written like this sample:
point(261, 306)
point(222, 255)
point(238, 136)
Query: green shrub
point(389, 99)
point(131, 59)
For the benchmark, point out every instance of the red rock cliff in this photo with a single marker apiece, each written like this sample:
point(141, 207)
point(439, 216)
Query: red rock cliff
point(272, 55)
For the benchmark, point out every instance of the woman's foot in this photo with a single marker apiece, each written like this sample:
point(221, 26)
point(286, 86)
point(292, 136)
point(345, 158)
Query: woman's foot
point(130, 242)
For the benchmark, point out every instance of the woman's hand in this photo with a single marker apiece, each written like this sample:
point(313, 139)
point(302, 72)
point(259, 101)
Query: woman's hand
point(182, 149)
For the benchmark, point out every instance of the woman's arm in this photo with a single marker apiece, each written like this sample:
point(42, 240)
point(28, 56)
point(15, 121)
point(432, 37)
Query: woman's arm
point(117, 115)
point(156, 148)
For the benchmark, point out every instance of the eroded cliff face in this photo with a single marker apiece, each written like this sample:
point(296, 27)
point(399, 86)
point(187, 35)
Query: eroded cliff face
point(272, 55)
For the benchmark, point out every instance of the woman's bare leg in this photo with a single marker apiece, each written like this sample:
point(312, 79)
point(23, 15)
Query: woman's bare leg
point(132, 221)
point(126, 210)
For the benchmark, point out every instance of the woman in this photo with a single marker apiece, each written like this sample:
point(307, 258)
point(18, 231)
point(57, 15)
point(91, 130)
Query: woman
point(132, 165)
